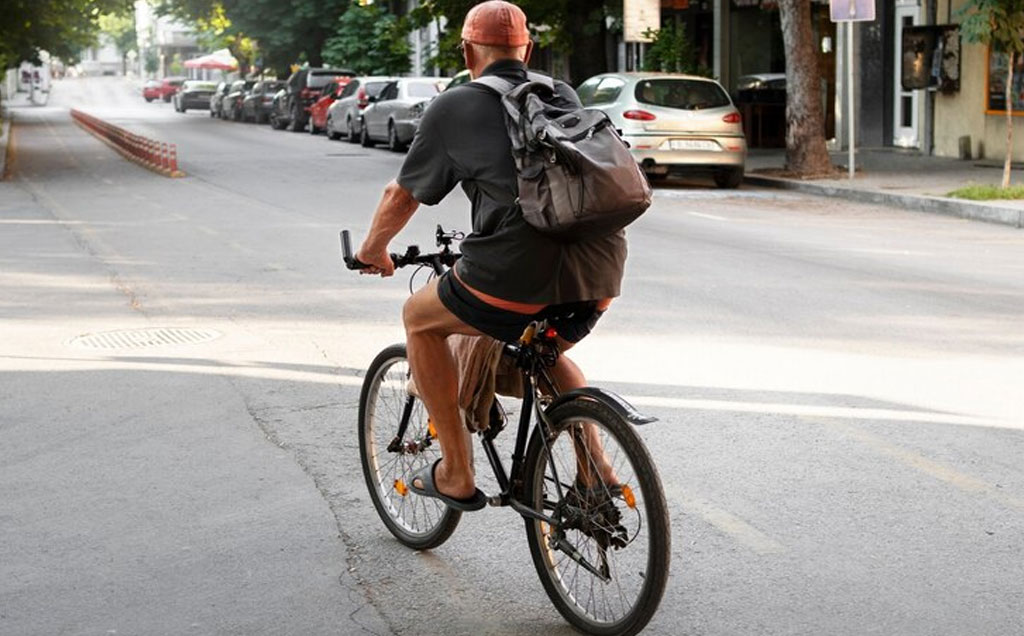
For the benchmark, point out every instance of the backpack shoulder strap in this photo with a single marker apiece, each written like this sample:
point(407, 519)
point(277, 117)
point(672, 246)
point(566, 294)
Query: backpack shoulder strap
point(499, 85)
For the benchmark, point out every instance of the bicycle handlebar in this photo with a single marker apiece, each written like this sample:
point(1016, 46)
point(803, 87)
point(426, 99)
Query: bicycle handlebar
point(412, 254)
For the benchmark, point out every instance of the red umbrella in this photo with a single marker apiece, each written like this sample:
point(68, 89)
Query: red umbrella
point(213, 61)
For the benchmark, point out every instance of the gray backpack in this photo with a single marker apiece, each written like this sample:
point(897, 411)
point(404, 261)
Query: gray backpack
point(577, 178)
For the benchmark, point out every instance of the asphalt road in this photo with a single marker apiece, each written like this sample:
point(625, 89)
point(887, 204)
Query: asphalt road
point(839, 388)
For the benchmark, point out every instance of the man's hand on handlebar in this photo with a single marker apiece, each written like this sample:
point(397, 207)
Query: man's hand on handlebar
point(377, 261)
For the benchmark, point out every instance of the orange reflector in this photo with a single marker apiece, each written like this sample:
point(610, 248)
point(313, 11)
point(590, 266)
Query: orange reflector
point(401, 488)
point(627, 494)
point(551, 334)
point(431, 429)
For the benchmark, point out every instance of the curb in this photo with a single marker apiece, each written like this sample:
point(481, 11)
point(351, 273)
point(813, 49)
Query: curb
point(5, 140)
point(917, 203)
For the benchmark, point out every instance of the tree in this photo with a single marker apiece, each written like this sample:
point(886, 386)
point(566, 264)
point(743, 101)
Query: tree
point(283, 32)
point(806, 154)
point(669, 52)
point(999, 24)
point(120, 28)
point(369, 41)
point(569, 27)
point(61, 27)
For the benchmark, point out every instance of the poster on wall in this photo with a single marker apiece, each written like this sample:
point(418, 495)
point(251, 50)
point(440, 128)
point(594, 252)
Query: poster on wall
point(931, 58)
point(639, 17)
point(996, 102)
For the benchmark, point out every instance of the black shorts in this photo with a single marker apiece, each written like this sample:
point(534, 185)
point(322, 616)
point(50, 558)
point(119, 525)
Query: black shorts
point(572, 321)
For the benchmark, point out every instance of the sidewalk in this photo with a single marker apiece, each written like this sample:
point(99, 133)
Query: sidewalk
point(17, 100)
point(900, 178)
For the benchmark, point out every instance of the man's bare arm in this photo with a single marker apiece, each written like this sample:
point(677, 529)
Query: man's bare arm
point(395, 209)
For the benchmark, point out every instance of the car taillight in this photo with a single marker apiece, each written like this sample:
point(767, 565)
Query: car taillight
point(639, 115)
point(361, 97)
point(732, 118)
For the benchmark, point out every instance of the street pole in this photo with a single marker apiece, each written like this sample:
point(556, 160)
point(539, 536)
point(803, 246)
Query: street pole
point(851, 143)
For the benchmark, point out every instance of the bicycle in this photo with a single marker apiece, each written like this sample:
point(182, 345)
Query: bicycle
point(588, 541)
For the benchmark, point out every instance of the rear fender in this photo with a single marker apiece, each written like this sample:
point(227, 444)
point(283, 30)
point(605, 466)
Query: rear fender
point(614, 402)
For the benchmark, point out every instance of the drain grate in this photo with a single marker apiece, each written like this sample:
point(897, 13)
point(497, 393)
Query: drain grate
point(142, 338)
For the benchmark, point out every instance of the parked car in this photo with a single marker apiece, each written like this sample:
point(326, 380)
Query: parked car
point(460, 78)
point(344, 114)
point(673, 123)
point(231, 107)
point(256, 105)
point(291, 104)
point(151, 90)
point(161, 89)
point(217, 99)
point(389, 116)
point(328, 95)
point(193, 94)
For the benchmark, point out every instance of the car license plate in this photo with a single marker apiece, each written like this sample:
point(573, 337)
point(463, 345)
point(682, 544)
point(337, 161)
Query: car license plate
point(693, 144)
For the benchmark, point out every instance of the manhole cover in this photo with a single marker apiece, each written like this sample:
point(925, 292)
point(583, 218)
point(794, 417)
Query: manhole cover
point(142, 338)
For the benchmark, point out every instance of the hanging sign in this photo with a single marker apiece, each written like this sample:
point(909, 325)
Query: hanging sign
point(638, 18)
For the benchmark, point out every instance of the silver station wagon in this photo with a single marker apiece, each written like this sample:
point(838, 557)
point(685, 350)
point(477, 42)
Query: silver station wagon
point(673, 123)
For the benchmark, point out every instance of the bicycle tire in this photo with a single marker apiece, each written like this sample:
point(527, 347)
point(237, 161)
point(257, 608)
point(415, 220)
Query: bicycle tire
point(439, 521)
point(649, 507)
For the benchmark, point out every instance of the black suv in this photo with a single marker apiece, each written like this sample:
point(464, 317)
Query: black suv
point(291, 104)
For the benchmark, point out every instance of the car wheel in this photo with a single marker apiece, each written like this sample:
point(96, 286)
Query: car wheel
point(351, 133)
point(149, 99)
point(656, 177)
point(394, 145)
point(731, 178)
point(275, 121)
point(331, 133)
point(167, 98)
point(364, 137)
point(212, 114)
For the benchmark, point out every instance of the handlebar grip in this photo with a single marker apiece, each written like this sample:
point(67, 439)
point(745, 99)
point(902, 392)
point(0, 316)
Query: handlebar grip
point(351, 261)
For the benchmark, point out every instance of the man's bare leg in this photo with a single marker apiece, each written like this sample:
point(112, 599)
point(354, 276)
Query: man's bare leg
point(428, 323)
point(589, 450)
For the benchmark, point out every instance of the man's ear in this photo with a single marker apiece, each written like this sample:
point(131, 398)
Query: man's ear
point(529, 50)
point(469, 57)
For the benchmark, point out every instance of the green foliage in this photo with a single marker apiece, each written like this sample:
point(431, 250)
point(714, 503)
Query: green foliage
point(370, 41)
point(121, 29)
point(176, 67)
point(999, 23)
point(152, 61)
point(988, 192)
point(279, 32)
point(61, 27)
point(670, 51)
point(563, 25)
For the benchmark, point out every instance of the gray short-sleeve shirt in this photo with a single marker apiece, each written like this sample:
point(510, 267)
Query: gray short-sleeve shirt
point(462, 139)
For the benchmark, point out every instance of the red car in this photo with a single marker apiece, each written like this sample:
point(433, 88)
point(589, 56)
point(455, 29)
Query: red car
point(318, 111)
point(162, 89)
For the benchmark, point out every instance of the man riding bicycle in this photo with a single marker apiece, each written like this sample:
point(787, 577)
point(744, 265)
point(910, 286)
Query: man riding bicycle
point(509, 274)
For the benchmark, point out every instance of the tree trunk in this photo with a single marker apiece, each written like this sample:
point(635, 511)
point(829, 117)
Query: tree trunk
point(1009, 121)
point(806, 154)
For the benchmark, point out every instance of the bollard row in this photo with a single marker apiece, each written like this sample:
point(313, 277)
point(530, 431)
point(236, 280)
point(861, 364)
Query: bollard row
point(155, 155)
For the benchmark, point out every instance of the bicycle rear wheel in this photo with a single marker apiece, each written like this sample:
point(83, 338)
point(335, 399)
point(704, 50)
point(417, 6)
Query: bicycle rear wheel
point(606, 564)
point(390, 456)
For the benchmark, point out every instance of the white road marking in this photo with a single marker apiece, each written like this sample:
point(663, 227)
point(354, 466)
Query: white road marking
point(811, 410)
point(960, 481)
point(729, 524)
point(708, 216)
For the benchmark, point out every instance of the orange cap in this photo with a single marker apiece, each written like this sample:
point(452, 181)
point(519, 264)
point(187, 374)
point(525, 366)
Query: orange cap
point(496, 23)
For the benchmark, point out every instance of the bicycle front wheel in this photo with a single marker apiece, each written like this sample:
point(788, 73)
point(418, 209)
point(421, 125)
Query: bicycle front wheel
point(604, 564)
point(395, 440)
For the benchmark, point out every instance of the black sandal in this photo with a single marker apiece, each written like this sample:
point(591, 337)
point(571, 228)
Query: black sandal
point(428, 488)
